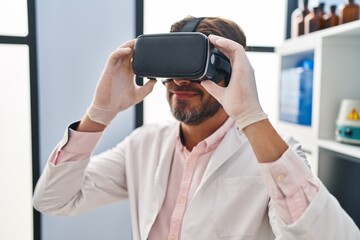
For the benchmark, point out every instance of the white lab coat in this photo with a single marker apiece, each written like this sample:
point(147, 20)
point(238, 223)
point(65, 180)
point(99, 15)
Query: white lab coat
point(230, 203)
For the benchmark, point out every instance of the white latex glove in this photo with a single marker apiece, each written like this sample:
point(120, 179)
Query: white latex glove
point(239, 99)
point(117, 89)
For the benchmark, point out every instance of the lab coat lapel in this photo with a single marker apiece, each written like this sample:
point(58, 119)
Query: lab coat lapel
point(163, 168)
point(161, 175)
point(228, 146)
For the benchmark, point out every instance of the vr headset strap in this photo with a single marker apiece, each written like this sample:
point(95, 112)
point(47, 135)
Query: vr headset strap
point(190, 25)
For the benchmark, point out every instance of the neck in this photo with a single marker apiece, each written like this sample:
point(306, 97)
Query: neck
point(193, 134)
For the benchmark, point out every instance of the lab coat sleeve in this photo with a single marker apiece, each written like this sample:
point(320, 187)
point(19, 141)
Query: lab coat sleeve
point(290, 184)
point(82, 182)
point(75, 145)
point(321, 218)
point(324, 219)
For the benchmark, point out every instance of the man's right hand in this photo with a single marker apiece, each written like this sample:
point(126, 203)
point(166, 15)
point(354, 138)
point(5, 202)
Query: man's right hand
point(117, 89)
point(240, 98)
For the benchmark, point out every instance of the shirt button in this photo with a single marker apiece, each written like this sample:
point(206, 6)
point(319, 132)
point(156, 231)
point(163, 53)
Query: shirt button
point(280, 177)
point(172, 238)
point(190, 164)
point(181, 200)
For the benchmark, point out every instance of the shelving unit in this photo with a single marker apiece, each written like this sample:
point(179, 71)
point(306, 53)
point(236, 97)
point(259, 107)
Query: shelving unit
point(336, 55)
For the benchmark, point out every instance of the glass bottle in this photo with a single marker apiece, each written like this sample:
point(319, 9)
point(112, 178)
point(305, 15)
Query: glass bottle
point(331, 19)
point(322, 14)
point(297, 18)
point(349, 12)
point(313, 21)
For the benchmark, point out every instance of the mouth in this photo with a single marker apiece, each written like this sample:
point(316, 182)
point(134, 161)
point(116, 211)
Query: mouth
point(184, 94)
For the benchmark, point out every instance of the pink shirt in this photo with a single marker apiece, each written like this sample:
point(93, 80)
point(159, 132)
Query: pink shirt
point(187, 170)
point(290, 183)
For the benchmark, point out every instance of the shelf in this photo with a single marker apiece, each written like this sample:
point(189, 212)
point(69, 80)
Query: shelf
point(351, 29)
point(336, 55)
point(309, 41)
point(347, 149)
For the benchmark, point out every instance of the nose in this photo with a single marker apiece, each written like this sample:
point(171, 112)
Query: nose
point(181, 81)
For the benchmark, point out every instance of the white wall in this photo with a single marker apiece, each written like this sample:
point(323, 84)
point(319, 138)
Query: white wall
point(74, 40)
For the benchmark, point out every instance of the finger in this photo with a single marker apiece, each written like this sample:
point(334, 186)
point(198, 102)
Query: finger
point(215, 90)
point(129, 44)
point(120, 52)
point(230, 48)
point(224, 43)
point(234, 51)
point(147, 88)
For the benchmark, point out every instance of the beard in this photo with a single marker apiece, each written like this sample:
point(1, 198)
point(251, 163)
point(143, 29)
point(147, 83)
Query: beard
point(183, 110)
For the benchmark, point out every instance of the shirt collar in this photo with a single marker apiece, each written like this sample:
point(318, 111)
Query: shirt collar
point(213, 140)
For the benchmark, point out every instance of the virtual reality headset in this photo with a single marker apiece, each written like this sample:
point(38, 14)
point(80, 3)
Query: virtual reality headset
point(179, 55)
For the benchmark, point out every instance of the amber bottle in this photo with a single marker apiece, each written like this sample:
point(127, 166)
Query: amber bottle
point(298, 18)
point(331, 19)
point(349, 12)
point(313, 21)
point(322, 15)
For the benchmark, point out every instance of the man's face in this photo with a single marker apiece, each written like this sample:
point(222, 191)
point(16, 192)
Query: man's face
point(190, 103)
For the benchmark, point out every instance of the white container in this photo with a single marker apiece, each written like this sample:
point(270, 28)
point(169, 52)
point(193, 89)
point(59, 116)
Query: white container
point(348, 122)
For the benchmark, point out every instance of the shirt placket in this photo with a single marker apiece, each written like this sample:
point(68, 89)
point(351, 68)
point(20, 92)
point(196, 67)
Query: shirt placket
point(182, 198)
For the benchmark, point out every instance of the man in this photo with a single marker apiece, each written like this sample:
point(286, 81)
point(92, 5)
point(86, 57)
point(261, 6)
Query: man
point(221, 172)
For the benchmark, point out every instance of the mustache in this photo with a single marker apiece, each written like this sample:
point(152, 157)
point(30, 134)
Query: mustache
point(185, 88)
